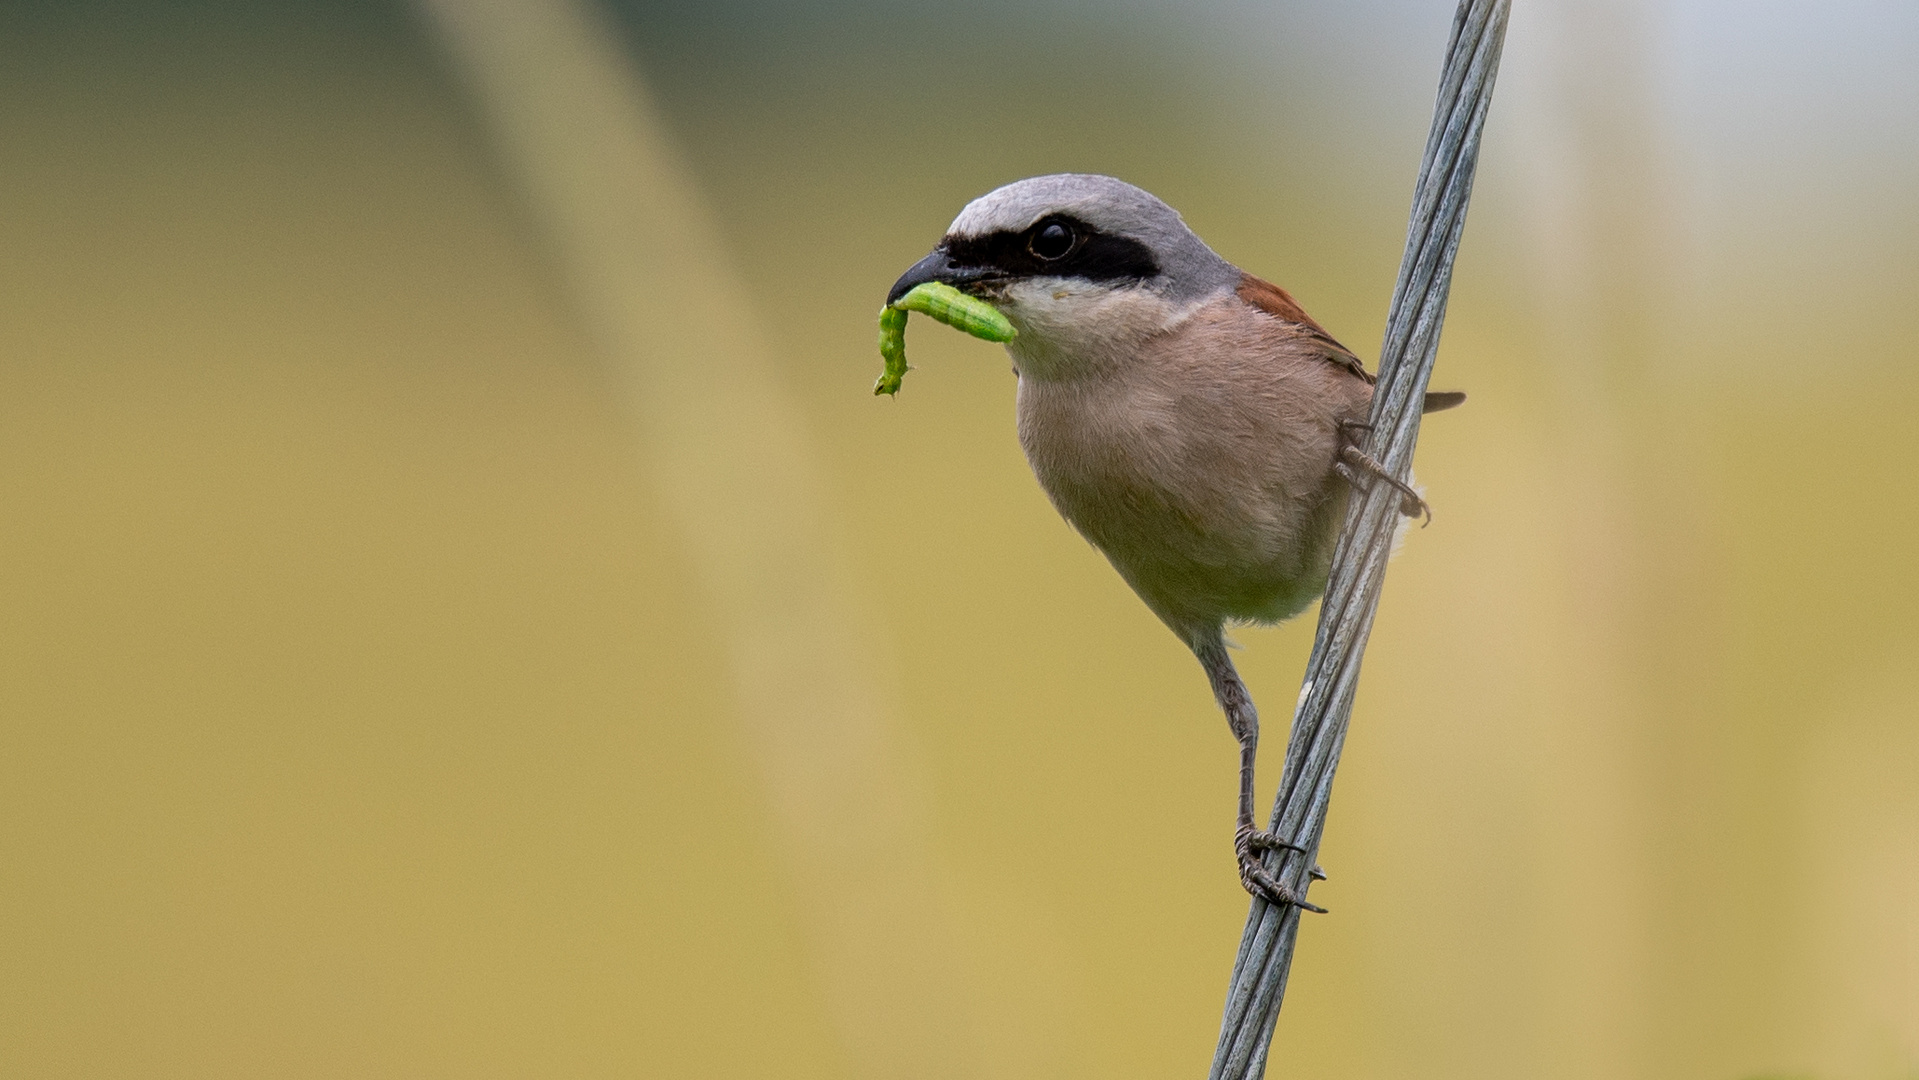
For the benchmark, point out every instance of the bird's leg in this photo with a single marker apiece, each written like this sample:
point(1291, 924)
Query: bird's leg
point(1353, 460)
point(1249, 843)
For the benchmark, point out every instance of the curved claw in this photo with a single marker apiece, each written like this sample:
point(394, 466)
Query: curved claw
point(1269, 841)
point(1354, 460)
point(1258, 880)
point(1261, 883)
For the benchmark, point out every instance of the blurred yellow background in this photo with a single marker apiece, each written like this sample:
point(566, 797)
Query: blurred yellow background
point(462, 612)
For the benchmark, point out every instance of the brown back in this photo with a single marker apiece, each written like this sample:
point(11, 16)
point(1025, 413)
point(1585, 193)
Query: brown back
point(1277, 302)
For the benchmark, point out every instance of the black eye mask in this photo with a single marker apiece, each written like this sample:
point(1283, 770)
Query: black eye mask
point(1092, 255)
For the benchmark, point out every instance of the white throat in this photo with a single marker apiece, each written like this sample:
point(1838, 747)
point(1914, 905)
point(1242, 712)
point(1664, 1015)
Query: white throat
point(1070, 328)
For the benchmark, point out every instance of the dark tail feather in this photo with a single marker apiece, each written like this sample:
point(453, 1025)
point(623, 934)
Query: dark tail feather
point(1440, 400)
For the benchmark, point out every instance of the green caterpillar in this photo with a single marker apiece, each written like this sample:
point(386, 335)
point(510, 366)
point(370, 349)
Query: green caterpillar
point(947, 305)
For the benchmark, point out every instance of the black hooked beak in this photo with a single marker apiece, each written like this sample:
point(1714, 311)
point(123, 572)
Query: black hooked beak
point(937, 267)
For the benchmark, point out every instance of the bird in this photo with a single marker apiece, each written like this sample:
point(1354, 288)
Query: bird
point(1186, 417)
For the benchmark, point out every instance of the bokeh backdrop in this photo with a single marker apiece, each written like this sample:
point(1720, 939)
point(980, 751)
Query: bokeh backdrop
point(463, 614)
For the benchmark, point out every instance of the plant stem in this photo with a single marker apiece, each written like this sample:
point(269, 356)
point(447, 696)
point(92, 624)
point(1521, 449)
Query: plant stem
point(1366, 539)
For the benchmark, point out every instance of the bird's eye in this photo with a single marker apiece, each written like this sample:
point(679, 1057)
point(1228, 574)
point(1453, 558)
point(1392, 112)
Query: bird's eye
point(1051, 242)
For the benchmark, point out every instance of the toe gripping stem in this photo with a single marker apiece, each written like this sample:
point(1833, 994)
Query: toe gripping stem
point(1249, 843)
point(1353, 461)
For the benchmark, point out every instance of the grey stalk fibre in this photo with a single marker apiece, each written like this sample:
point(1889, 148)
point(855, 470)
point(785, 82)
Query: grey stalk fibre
point(1366, 538)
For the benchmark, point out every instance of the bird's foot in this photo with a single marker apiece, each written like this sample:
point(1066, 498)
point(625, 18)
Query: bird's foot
point(1270, 841)
point(1353, 462)
point(1263, 840)
point(1253, 875)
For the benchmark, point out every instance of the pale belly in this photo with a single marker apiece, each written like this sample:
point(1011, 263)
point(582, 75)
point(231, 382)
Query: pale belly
point(1209, 523)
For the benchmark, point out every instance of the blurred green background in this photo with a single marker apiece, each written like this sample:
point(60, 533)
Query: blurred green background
point(462, 612)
